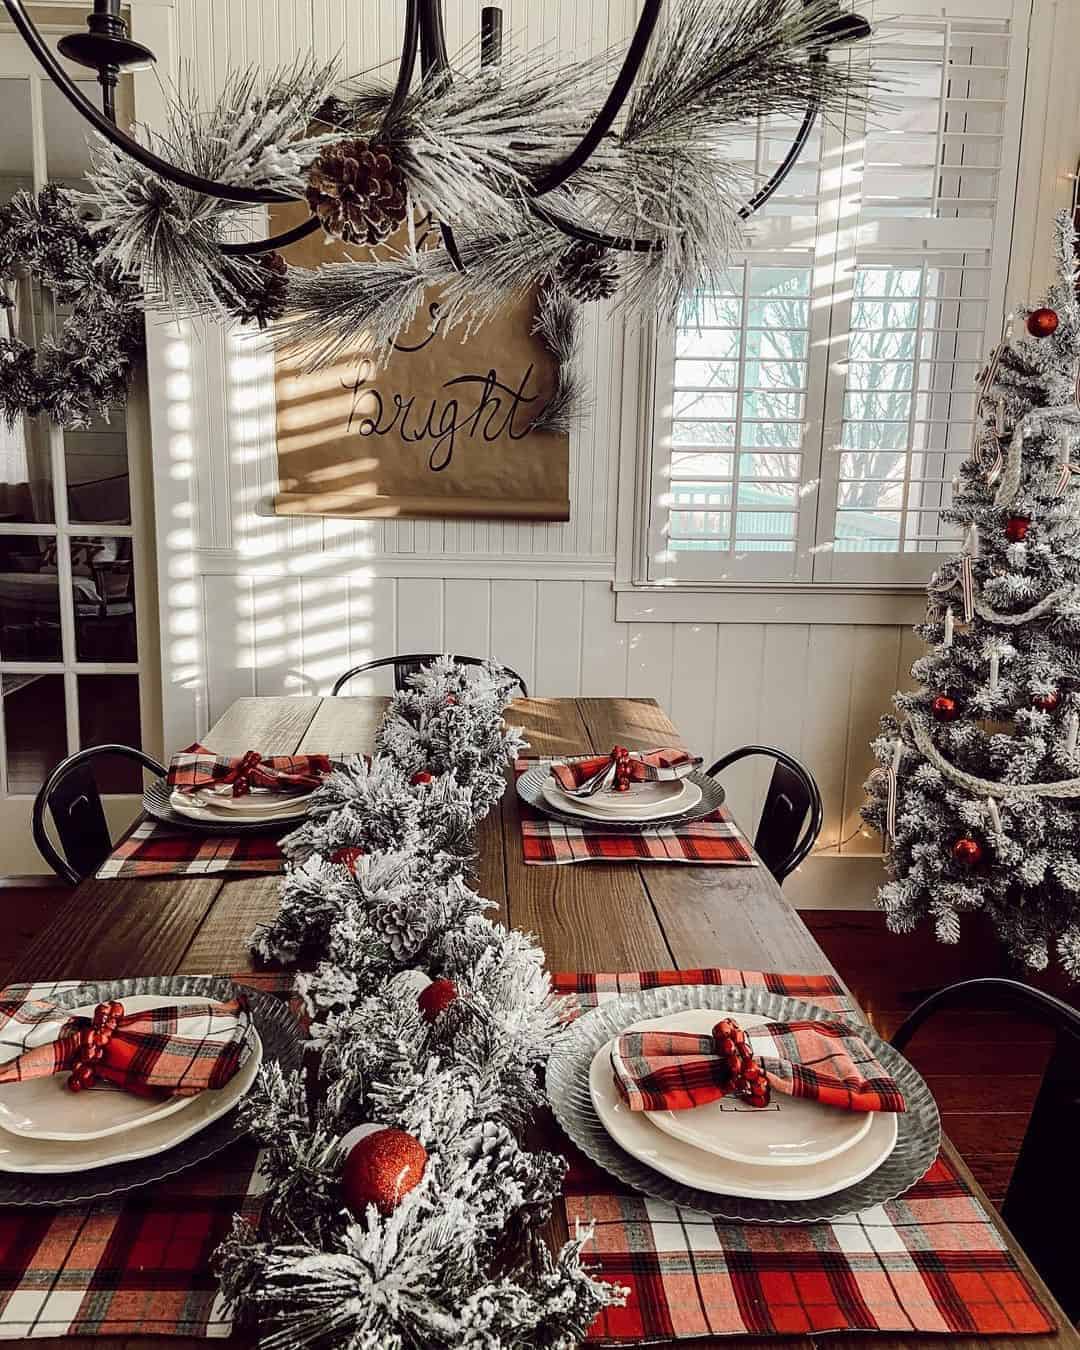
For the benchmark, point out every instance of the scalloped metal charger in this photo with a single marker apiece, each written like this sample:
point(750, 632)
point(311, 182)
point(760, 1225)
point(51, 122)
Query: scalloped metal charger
point(528, 789)
point(156, 804)
point(568, 1091)
point(282, 1044)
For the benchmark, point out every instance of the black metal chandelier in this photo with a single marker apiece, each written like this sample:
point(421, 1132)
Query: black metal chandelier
point(106, 47)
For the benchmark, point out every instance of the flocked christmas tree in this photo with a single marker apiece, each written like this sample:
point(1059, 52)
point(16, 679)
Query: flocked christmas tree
point(977, 792)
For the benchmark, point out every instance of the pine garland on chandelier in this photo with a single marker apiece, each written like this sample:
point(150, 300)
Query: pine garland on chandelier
point(977, 790)
point(402, 1209)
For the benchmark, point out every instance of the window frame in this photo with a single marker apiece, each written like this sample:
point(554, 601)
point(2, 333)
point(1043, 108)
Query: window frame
point(864, 586)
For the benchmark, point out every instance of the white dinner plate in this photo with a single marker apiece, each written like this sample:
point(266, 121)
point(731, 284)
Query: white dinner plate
point(284, 808)
point(18, 1153)
point(789, 1132)
point(634, 1132)
point(685, 797)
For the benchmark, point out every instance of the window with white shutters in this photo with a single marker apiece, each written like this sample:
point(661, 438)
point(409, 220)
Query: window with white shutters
point(809, 416)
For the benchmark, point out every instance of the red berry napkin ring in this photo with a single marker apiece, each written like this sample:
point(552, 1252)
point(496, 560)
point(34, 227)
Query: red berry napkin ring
point(92, 1042)
point(747, 1077)
point(240, 777)
point(621, 758)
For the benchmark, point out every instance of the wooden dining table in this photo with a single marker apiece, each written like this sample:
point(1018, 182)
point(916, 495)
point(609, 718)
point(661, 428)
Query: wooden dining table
point(600, 916)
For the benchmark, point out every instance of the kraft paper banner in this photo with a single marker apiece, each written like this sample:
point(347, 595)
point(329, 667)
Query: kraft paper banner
point(442, 430)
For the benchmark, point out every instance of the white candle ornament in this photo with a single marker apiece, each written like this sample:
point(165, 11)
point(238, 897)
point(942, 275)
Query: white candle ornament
point(994, 813)
point(1071, 734)
point(948, 627)
point(995, 668)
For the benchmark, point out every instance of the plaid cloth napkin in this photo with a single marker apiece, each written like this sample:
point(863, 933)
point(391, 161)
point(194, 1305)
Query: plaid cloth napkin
point(196, 767)
point(134, 1264)
point(715, 839)
point(930, 1262)
point(156, 850)
point(826, 1062)
point(586, 777)
point(175, 1051)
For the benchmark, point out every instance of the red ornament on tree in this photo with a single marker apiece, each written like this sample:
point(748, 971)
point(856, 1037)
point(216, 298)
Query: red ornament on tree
point(347, 856)
point(382, 1165)
point(945, 708)
point(1042, 322)
point(1016, 529)
point(966, 851)
point(421, 776)
point(1047, 702)
point(436, 998)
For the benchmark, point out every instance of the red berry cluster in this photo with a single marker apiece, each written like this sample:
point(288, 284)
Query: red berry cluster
point(92, 1042)
point(621, 756)
point(421, 776)
point(747, 1076)
point(347, 856)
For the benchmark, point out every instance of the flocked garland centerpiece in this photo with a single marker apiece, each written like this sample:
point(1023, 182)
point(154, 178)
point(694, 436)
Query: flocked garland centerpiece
point(86, 368)
point(978, 787)
point(402, 1209)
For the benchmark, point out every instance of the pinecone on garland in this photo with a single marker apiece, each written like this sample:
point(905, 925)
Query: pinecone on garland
point(588, 272)
point(357, 191)
point(268, 300)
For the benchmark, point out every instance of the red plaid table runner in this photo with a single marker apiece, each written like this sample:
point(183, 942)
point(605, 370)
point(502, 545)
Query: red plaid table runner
point(930, 1262)
point(713, 840)
point(137, 1263)
point(156, 850)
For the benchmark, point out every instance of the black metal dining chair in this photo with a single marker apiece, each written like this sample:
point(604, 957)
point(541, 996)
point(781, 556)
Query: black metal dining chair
point(70, 794)
point(1044, 1193)
point(404, 666)
point(793, 797)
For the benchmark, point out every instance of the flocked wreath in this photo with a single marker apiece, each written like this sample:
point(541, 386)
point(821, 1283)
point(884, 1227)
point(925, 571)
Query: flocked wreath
point(87, 366)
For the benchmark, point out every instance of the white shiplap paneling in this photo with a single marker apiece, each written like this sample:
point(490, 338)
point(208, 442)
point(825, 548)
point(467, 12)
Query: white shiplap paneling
point(253, 603)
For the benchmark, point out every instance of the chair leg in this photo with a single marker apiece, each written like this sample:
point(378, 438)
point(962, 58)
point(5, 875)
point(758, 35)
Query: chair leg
point(1044, 1193)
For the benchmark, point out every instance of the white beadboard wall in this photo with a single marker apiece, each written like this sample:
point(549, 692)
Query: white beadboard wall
point(254, 604)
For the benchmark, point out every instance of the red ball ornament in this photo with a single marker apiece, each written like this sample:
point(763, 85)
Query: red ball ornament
point(1042, 322)
point(966, 851)
point(347, 856)
point(421, 776)
point(382, 1165)
point(1016, 529)
point(436, 998)
point(945, 708)
point(1047, 702)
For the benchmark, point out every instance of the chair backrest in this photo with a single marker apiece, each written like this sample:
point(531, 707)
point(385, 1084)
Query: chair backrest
point(1044, 1192)
point(792, 799)
point(71, 796)
point(404, 666)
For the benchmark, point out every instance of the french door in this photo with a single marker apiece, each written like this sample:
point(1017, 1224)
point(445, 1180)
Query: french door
point(78, 632)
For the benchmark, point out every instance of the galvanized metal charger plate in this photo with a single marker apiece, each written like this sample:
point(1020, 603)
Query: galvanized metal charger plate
point(156, 803)
point(568, 1091)
point(282, 1041)
point(529, 787)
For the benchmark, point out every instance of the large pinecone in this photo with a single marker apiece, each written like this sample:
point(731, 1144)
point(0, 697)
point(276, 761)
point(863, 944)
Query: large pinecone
point(357, 191)
point(588, 272)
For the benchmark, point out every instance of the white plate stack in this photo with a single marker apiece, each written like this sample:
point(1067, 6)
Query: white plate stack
point(46, 1128)
point(643, 801)
point(258, 806)
point(794, 1149)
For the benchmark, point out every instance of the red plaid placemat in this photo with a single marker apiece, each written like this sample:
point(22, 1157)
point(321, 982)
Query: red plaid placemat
point(930, 1262)
point(713, 840)
point(156, 850)
point(137, 1263)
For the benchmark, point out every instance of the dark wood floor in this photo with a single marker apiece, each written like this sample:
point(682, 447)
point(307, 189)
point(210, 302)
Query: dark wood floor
point(984, 1088)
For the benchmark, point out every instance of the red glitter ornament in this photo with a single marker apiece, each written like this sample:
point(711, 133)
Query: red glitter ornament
point(1016, 529)
point(1042, 322)
point(966, 851)
point(436, 998)
point(421, 776)
point(347, 856)
point(1047, 702)
point(945, 708)
point(382, 1165)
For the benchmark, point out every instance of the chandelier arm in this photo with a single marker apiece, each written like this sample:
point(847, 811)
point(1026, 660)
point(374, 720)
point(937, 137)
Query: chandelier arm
point(249, 247)
point(795, 149)
point(229, 192)
point(407, 65)
point(556, 174)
